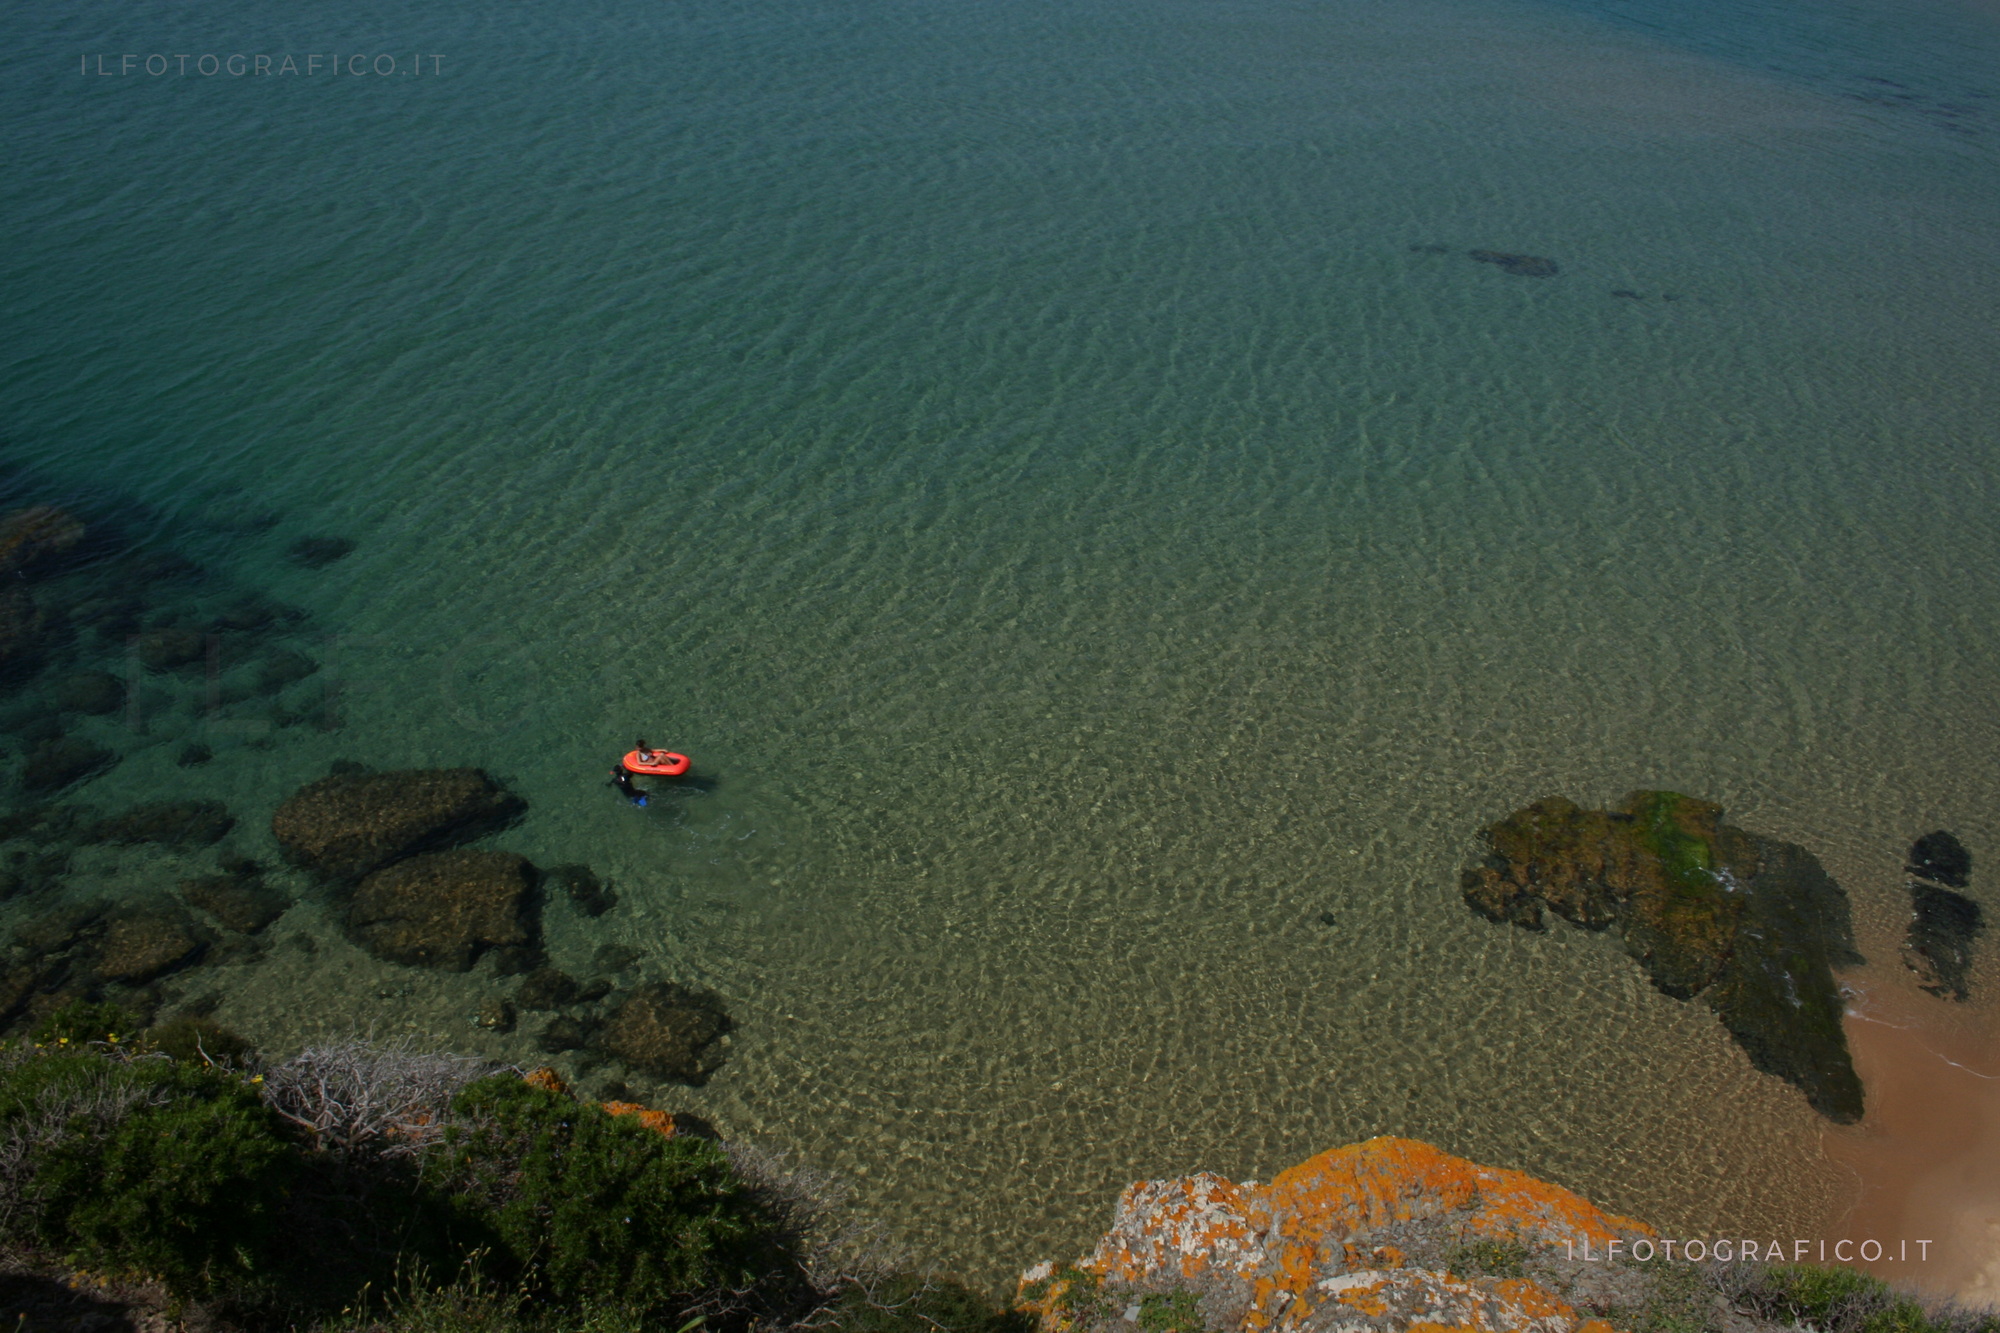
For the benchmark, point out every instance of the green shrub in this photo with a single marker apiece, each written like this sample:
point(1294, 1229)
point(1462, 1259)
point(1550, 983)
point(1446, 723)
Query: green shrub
point(575, 1203)
point(146, 1165)
point(1171, 1312)
point(1678, 1299)
point(1842, 1300)
point(1815, 1294)
point(911, 1304)
point(1494, 1258)
point(201, 1041)
point(474, 1304)
point(80, 1022)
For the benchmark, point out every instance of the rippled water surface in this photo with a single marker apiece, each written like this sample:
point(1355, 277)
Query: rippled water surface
point(1058, 470)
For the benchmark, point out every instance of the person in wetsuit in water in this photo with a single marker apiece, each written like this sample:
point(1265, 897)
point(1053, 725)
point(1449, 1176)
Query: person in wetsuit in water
point(626, 787)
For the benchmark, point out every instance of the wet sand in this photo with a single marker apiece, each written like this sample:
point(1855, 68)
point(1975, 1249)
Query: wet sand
point(1927, 1157)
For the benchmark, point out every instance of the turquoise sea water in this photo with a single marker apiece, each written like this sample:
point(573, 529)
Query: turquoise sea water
point(1057, 469)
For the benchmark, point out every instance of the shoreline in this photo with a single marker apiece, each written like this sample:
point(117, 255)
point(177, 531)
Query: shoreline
point(1926, 1159)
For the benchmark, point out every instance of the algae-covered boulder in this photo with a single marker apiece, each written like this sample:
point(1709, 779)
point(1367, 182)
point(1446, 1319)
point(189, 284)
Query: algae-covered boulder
point(443, 909)
point(351, 823)
point(668, 1031)
point(1752, 925)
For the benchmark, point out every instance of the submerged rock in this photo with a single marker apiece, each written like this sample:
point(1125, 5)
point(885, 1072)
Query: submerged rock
point(92, 692)
point(592, 896)
point(174, 823)
point(145, 944)
point(37, 535)
point(348, 824)
point(443, 909)
point(1941, 858)
point(56, 764)
point(668, 1031)
point(546, 988)
point(496, 1015)
point(242, 903)
point(566, 1034)
point(171, 649)
point(1938, 947)
point(282, 669)
point(20, 626)
point(1381, 1237)
point(1526, 266)
point(319, 552)
point(1752, 925)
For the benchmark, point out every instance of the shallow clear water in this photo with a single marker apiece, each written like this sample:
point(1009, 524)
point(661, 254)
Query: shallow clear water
point(1058, 470)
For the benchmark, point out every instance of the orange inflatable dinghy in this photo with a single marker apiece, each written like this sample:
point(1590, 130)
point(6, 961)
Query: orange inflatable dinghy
point(666, 764)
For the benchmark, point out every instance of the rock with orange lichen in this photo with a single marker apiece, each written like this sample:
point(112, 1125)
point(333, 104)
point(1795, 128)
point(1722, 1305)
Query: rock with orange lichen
point(659, 1121)
point(1751, 925)
point(1362, 1239)
point(548, 1080)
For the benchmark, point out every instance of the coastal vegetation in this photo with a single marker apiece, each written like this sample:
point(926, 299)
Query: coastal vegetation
point(358, 1186)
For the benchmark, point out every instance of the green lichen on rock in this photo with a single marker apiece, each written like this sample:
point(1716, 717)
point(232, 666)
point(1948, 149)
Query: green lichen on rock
point(1752, 925)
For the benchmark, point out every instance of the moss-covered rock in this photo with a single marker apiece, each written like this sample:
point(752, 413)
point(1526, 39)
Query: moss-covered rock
point(348, 824)
point(1752, 925)
point(443, 909)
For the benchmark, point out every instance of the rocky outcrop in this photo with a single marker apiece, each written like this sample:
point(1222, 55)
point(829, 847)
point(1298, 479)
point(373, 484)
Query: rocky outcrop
point(348, 824)
point(1944, 924)
point(667, 1031)
point(443, 909)
point(1384, 1236)
point(1752, 925)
